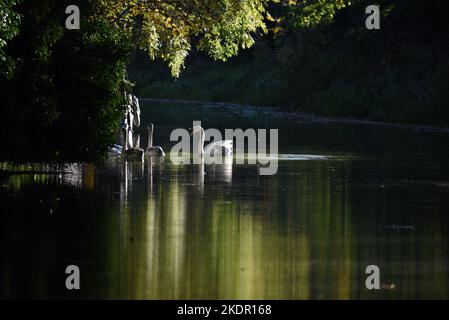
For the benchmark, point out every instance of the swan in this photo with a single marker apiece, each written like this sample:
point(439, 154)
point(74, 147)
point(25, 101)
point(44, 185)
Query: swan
point(131, 153)
point(115, 149)
point(222, 147)
point(153, 150)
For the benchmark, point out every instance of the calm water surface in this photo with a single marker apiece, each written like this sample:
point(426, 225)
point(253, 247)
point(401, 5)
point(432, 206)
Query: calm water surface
point(165, 231)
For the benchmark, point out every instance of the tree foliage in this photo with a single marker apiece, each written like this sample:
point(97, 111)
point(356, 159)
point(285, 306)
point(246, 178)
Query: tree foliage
point(335, 68)
point(306, 13)
point(61, 95)
point(167, 29)
point(61, 90)
point(9, 24)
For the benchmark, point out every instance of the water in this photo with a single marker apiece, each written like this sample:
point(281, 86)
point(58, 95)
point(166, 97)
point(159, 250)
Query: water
point(368, 195)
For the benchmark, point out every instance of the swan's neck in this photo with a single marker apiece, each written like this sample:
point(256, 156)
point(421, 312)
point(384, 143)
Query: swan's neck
point(200, 142)
point(150, 137)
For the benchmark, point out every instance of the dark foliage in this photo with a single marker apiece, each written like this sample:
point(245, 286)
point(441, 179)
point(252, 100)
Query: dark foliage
point(336, 67)
point(60, 90)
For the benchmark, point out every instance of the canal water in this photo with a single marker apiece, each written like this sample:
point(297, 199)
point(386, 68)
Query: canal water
point(368, 195)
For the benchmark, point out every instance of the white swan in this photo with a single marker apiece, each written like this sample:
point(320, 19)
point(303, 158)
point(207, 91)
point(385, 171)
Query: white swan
point(115, 149)
point(151, 151)
point(221, 147)
point(130, 153)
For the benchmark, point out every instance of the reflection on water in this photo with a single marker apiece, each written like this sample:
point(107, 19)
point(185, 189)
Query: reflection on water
point(163, 231)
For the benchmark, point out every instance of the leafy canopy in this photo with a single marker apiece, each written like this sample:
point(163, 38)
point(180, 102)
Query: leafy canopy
point(308, 13)
point(166, 29)
point(9, 24)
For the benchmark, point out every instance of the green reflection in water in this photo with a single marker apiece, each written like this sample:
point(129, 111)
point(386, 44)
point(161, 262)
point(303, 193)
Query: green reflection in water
point(164, 231)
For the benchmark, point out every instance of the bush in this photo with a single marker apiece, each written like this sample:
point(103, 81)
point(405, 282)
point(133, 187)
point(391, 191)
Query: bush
point(61, 100)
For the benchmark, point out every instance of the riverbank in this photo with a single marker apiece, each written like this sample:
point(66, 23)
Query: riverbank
point(278, 111)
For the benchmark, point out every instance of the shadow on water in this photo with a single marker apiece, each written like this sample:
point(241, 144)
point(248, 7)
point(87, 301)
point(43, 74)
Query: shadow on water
point(166, 231)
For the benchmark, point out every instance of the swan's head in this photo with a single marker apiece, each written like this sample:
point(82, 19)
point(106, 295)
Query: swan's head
point(130, 99)
point(150, 126)
point(198, 139)
point(197, 130)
